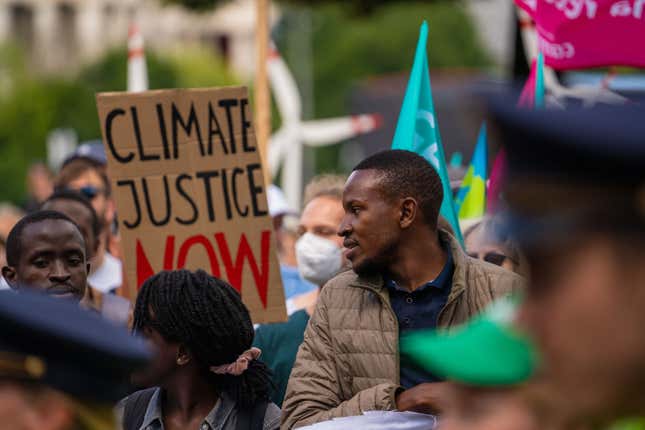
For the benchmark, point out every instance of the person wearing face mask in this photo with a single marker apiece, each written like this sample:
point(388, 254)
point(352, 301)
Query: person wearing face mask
point(319, 255)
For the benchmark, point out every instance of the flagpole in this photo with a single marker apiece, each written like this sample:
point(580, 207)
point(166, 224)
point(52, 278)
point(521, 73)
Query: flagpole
point(262, 96)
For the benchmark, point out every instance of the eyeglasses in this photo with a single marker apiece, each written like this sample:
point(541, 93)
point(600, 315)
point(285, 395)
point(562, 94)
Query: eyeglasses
point(493, 258)
point(89, 191)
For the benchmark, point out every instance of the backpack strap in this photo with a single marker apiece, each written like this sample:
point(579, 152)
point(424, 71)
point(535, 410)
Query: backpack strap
point(134, 408)
point(252, 418)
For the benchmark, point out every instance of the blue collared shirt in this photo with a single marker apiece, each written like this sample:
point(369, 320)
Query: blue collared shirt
point(420, 309)
point(223, 416)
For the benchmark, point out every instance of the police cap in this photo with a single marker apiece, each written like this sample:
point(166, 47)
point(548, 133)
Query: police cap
point(575, 168)
point(54, 342)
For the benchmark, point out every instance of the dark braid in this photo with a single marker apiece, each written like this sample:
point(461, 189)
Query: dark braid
point(206, 315)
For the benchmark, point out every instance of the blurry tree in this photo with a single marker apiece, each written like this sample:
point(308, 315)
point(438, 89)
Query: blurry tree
point(31, 107)
point(196, 4)
point(359, 6)
point(355, 39)
point(348, 48)
point(192, 67)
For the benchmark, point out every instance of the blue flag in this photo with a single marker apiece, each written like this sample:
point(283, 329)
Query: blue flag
point(471, 198)
point(417, 129)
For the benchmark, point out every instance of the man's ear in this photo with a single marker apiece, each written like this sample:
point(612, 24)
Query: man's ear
point(110, 211)
point(97, 243)
point(183, 355)
point(11, 276)
point(409, 210)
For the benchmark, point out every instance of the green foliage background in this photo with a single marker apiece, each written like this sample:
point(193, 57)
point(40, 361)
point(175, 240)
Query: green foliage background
point(32, 106)
point(349, 48)
point(346, 47)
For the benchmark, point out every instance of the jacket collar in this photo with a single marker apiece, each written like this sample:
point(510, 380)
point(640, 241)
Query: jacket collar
point(375, 283)
point(216, 418)
point(460, 260)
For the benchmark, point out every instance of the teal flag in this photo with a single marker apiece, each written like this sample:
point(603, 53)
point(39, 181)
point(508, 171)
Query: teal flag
point(417, 129)
point(471, 198)
point(539, 82)
point(455, 160)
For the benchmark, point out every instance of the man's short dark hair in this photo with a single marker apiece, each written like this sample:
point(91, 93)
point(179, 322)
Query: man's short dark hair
point(406, 174)
point(14, 240)
point(68, 194)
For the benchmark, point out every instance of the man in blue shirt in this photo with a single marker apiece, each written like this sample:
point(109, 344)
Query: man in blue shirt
point(419, 309)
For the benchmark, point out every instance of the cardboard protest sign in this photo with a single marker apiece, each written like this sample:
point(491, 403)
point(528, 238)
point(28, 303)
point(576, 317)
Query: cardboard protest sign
point(190, 191)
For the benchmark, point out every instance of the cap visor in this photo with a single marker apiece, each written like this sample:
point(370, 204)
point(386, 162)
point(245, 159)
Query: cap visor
point(480, 353)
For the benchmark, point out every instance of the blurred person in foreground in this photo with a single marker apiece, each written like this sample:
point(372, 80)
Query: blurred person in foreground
point(61, 367)
point(576, 194)
point(79, 209)
point(488, 240)
point(319, 255)
point(85, 172)
point(488, 363)
point(206, 374)
point(46, 251)
point(406, 274)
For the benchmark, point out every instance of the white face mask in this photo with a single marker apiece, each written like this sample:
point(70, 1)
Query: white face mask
point(319, 259)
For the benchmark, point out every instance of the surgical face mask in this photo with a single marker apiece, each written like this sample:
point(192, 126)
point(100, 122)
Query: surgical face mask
point(319, 259)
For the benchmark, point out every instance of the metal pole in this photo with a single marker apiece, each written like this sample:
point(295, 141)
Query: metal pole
point(262, 95)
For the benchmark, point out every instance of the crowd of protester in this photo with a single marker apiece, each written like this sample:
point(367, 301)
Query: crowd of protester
point(535, 322)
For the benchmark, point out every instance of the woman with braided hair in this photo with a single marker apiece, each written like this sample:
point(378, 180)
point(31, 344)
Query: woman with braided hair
point(206, 376)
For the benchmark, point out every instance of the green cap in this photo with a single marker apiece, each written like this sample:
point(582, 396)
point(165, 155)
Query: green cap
point(486, 351)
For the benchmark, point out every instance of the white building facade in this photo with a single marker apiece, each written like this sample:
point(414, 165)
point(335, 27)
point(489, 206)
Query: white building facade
point(61, 35)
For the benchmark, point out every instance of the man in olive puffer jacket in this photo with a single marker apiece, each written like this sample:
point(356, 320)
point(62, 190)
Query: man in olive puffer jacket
point(407, 274)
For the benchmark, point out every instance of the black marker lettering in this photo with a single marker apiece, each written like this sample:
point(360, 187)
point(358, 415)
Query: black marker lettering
point(255, 189)
point(108, 136)
point(227, 199)
point(135, 199)
point(214, 129)
point(162, 131)
point(146, 194)
point(228, 104)
point(137, 133)
point(206, 176)
point(181, 191)
point(238, 171)
point(246, 125)
point(187, 126)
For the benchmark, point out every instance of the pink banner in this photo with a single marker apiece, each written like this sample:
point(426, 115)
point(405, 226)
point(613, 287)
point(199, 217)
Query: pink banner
point(577, 34)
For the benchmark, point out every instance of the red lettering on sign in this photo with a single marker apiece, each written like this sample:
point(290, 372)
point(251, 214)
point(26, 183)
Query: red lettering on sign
point(199, 239)
point(169, 254)
point(234, 269)
point(144, 270)
point(244, 251)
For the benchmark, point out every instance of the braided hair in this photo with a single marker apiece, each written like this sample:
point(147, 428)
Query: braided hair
point(206, 315)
